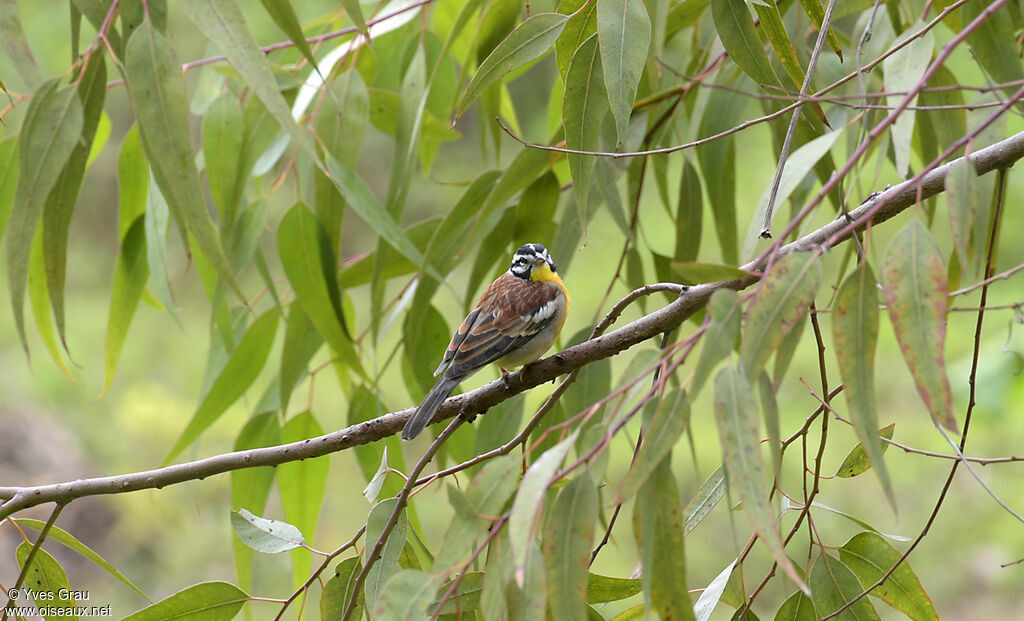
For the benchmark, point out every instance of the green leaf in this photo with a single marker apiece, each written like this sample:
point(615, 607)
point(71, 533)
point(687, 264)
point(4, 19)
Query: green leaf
point(250, 487)
point(361, 199)
point(914, 280)
point(689, 215)
point(157, 90)
point(40, 302)
point(902, 71)
point(60, 205)
point(722, 335)
point(132, 182)
point(8, 178)
point(528, 41)
point(736, 28)
point(799, 165)
point(15, 46)
point(859, 522)
point(833, 585)
point(963, 201)
point(49, 133)
point(580, 26)
point(693, 272)
point(206, 601)
point(238, 374)
point(130, 275)
point(264, 535)
point(46, 578)
point(406, 596)
point(658, 528)
point(567, 541)
point(624, 35)
point(710, 492)
point(771, 25)
point(156, 222)
point(355, 13)
point(857, 461)
point(870, 556)
point(993, 44)
point(224, 24)
point(372, 490)
point(338, 591)
point(798, 606)
point(670, 418)
point(283, 14)
point(308, 261)
point(62, 536)
point(223, 142)
point(302, 485)
point(736, 418)
point(522, 519)
point(301, 341)
point(602, 589)
point(718, 164)
point(584, 106)
point(385, 566)
point(855, 334)
point(816, 12)
point(779, 303)
point(487, 494)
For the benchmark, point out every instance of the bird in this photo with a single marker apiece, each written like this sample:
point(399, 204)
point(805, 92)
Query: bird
point(515, 321)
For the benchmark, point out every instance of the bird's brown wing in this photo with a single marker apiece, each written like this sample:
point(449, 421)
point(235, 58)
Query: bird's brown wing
point(509, 313)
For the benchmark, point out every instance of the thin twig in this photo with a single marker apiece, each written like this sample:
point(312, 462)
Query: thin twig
point(319, 570)
point(13, 591)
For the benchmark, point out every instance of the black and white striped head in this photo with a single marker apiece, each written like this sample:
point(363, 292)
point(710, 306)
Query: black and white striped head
point(528, 258)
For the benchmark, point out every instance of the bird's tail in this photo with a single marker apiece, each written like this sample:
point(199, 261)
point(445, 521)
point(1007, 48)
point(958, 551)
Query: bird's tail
point(423, 414)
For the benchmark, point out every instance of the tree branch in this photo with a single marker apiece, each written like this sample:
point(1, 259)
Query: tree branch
point(893, 200)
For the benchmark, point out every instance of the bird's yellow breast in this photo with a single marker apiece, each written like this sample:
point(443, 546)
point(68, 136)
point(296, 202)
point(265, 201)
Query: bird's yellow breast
point(543, 273)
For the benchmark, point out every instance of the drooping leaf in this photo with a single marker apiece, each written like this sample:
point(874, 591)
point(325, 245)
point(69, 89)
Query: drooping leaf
point(238, 374)
point(689, 215)
point(915, 291)
point(302, 485)
point(49, 133)
point(798, 606)
point(993, 44)
point(224, 24)
point(283, 14)
point(8, 178)
point(130, 275)
point(522, 519)
point(157, 89)
point(710, 492)
point(780, 302)
point(855, 334)
point(528, 41)
point(250, 487)
point(902, 71)
point(15, 45)
point(736, 29)
point(265, 535)
point(736, 418)
point(834, 585)
point(580, 26)
point(870, 556)
point(566, 546)
point(775, 31)
point(718, 165)
point(624, 35)
point(60, 205)
point(670, 418)
point(584, 107)
point(710, 596)
point(658, 528)
point(722, 335)
point(963, 202)
point(301, 341)
point(602, 589)
point(308, 261)
point(223, 142)
point(816, 12)
point(210, 601)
